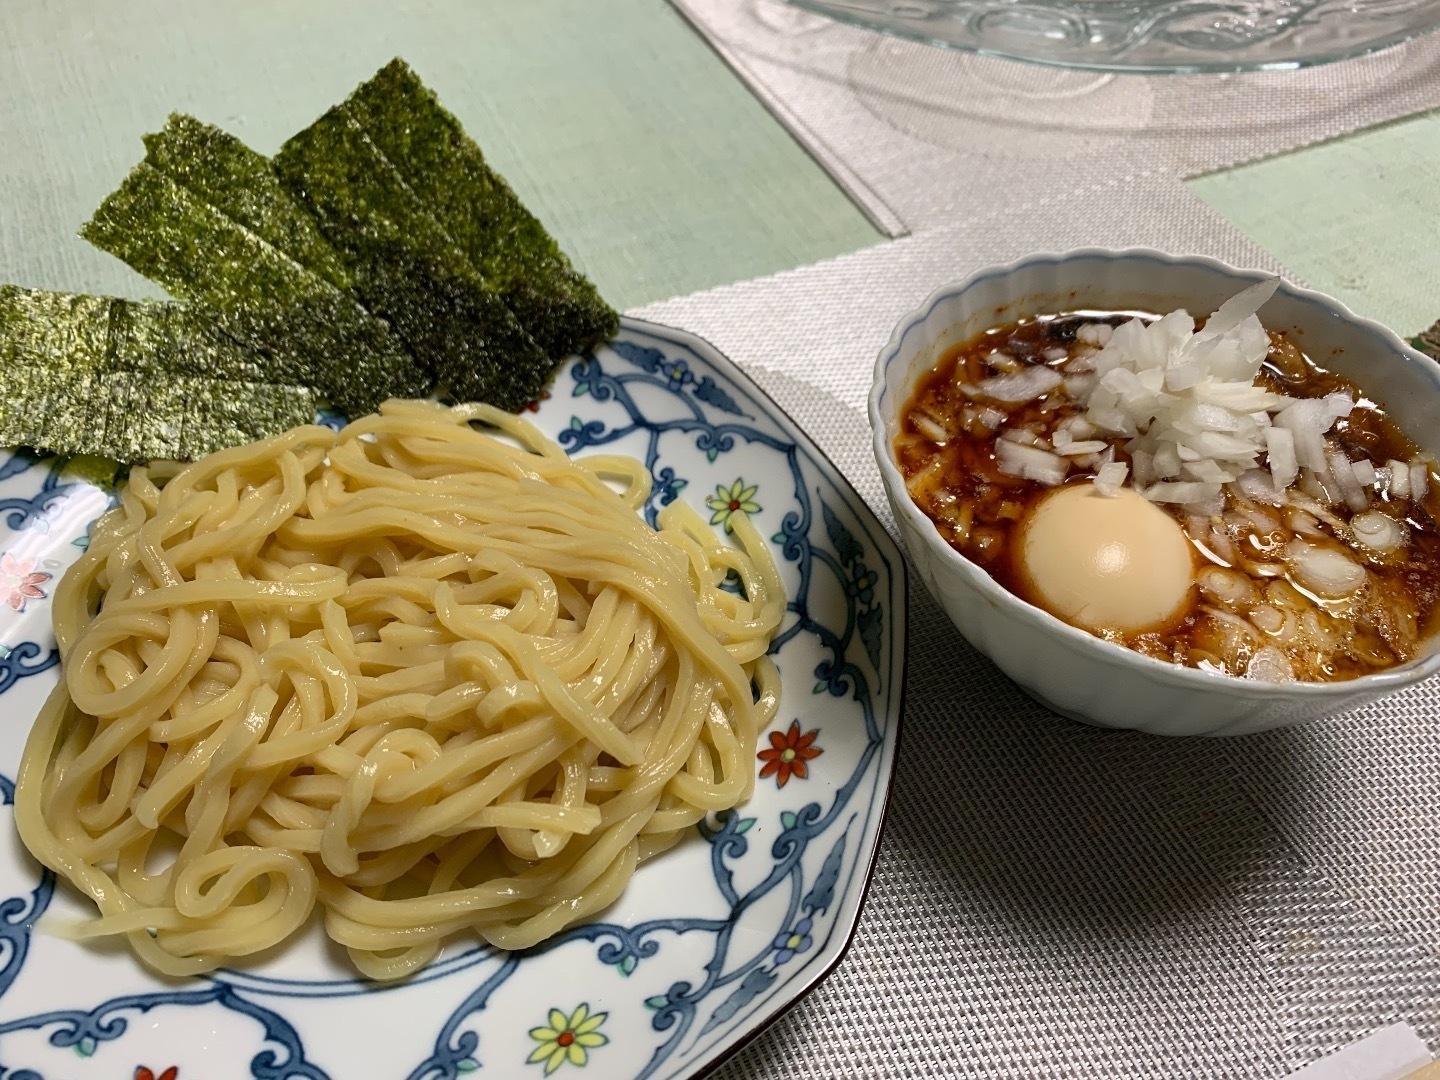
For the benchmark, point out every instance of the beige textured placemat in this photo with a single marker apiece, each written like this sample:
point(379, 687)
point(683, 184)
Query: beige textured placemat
point(1062, 902)
point(922, 136)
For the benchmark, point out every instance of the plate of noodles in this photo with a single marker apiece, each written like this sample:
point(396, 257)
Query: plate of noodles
point(443, 740)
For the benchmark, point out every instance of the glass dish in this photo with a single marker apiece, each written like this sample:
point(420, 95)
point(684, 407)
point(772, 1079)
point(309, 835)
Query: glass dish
point(1156, 36)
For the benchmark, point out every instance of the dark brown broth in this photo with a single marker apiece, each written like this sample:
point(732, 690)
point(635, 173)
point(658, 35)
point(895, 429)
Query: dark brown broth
point(981, 511)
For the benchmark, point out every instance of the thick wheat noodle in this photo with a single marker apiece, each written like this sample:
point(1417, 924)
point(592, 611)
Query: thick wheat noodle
point(428, 676)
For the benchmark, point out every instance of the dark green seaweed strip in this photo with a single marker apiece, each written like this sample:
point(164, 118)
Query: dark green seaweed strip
point(478, 210)
point(187, 417)
point(130, 417)
point(407, 270)
point(49, 342)
point(315, 334)
point(130, 380)
point(174, 339)
point(221, 170)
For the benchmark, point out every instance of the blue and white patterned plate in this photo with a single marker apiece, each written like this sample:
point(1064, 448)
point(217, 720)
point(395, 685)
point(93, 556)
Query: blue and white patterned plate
point(710, 941)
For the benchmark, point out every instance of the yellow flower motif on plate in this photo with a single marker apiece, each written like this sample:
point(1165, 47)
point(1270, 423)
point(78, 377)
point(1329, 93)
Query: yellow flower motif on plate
point(568, 1038)
point(736, 499)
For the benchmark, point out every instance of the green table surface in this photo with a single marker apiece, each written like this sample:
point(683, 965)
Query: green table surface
point(1358, 218)
point(653, 165)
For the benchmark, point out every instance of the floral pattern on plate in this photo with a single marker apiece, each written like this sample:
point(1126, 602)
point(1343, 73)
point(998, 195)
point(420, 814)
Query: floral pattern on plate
point(708, 943)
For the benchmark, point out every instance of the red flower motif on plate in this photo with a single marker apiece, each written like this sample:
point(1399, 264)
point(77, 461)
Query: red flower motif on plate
point(787, 754)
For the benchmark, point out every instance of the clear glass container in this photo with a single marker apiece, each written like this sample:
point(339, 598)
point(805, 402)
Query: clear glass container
point(1148, 35)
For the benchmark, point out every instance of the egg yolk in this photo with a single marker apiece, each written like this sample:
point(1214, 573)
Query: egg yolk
point(1106, 562)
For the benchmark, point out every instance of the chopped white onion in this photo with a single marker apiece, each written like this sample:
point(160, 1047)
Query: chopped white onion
point(1110, 477)
point(1364, 471)
point(1031, 463)
point(1399, 474)
point(1346, 480)
point(1181, 492)
point(1280, 445)
point(1226, 586)
point(1077, 426)
point(929, 428)
point(1080, 449)
point(1268, 619)
point(1419, 479)
point(1239, 308)
point(1024, 385)
point(1261, 486)
point(992, 417)
point(1055, 354)
point(1023, 436)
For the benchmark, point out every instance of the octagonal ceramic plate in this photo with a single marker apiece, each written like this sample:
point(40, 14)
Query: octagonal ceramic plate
point(710, 941)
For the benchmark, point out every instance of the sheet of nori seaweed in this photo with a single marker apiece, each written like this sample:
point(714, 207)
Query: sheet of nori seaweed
point(189, 416)
point(315, 334)
point(130, 380)
point(50, 344)
point(221, 170)
point(478, 210)
point(175, 339)
point(407, 270)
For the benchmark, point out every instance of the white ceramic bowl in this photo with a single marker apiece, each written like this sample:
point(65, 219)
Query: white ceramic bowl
point(1073, 672)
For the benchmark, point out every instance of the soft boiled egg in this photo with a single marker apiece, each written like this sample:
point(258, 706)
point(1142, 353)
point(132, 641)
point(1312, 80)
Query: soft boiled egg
point(1106, 562)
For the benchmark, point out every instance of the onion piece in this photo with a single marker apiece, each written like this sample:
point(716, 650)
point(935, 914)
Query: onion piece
point(1261, 486)
point(1269, 620)
point(1399, 473)
point(1378, 532)
point(1080, 449)
point(991, 417)
point(1181, 492)
point(1280, 445)
point(929, 428)
point(1325, 570)
point(1240, 307)
point(1346, 480)
point(1226, 586)
point(1020, 386)
point(1023, 436)
point(1030, 462)
point(1110, 477)
point(1269, 664)
point(1419, 479)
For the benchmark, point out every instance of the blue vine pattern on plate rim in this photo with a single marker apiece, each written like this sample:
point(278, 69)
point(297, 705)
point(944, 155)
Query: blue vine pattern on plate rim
point(712, 416)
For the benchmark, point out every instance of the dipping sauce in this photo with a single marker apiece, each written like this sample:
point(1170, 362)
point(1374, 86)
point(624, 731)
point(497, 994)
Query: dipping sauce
point(1211, 497)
